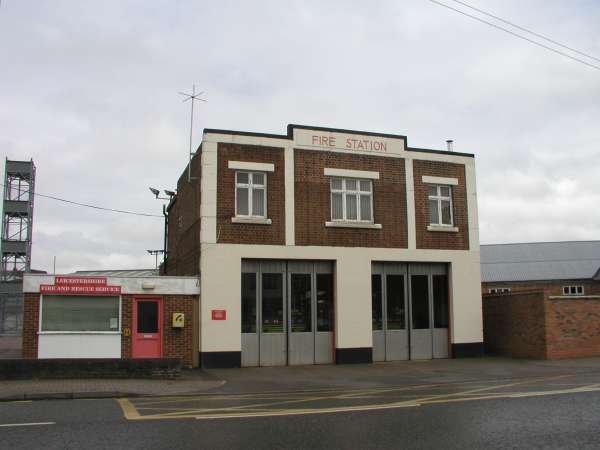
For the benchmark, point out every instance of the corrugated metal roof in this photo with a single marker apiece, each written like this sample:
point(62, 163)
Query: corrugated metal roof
point(540, 261)
point(116, 273)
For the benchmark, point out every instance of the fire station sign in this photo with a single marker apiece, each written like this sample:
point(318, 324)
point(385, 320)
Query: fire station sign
point(219, 314)
point(80, 285)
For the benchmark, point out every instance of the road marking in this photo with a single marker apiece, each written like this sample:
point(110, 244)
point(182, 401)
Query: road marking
point(32, 424)
point(301, 412)
point(265, 408)
point(129, 410)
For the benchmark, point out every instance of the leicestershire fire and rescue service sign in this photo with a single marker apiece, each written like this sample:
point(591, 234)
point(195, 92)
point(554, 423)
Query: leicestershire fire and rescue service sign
point(81, 286)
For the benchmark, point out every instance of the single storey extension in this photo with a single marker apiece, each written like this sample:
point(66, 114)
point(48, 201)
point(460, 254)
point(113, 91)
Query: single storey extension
point(542, 299)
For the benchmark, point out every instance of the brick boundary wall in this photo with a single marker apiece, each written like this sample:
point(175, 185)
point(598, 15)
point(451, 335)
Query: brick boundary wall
point(162, 368)
point(573, 327)
point(538, 324)
point(514, 325)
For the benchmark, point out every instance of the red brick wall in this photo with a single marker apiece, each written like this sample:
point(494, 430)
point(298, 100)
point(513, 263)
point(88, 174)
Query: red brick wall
point(573, 327)
point(184, 225)
point(238, 233)
point(514, 325)
point(312, 195)
point(31, 314)
point(537, 324)
point(439, 239)
point(591, 287)
point(126, 323)
point(177, 343)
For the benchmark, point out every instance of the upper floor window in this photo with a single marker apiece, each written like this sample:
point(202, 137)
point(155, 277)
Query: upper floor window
point(573, 290)
point(351, 200)
point(440, 205)
point(250, 194)
point(500, 290)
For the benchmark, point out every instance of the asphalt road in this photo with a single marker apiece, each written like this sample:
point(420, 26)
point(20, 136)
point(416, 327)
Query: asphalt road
point(549, 412)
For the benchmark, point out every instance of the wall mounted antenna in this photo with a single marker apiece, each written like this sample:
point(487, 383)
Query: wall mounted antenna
point(193, 97)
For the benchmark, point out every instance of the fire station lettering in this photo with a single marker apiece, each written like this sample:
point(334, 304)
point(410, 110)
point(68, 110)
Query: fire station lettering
point(349, 143)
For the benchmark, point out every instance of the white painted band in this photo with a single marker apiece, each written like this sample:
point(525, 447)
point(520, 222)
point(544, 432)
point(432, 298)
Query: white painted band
point(351, 173)
point(443, 228)
point(440, 180)
point(244, 165)
point(340, 224)
point(251, 220)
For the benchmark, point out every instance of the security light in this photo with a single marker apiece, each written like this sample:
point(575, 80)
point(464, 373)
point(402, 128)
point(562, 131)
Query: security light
point(155, 192)
point(169, 193)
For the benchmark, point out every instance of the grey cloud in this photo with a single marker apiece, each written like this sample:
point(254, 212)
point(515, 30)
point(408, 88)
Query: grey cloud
point(89, 91)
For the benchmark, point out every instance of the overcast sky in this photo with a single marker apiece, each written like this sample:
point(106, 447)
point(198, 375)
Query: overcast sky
point(88, 90)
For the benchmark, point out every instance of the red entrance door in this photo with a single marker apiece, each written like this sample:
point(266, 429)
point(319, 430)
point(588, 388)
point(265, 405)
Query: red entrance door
point(146, 339)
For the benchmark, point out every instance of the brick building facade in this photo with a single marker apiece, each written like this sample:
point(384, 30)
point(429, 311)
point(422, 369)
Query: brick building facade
point(542, 300)
point(324, 245)
point(111, 317)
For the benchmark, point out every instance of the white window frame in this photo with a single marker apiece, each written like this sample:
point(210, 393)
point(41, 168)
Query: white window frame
point(439, 198)
point(40, 313)
point(499, 290)
point(574, 290)
point(358, 192)
point(250, 187)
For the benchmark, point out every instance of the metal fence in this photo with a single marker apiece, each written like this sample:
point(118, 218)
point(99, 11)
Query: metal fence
point(11, 314)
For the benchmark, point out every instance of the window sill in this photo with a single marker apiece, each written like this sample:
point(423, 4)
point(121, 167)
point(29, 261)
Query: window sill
point(252, 220)
point(79, 332)
point(443, 228)
point(371, 226)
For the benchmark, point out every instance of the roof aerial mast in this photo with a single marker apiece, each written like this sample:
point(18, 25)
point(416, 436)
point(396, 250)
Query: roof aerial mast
point(193, 97)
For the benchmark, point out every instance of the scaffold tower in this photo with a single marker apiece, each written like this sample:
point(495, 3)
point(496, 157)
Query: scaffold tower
point(17, 219)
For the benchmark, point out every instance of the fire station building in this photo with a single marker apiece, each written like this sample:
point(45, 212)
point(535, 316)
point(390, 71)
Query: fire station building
point(324, 246)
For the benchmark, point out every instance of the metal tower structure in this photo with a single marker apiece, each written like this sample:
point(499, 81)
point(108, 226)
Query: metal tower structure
point(17, 219)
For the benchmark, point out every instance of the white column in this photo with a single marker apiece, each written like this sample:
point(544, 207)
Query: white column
point(353, 328)
point(208, 194)
point(290, 236)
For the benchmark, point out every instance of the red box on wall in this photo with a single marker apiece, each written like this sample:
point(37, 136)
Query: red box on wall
point(219, 314)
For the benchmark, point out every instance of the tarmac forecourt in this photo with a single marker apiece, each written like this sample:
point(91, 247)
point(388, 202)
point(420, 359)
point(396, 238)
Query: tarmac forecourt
point(322, 401)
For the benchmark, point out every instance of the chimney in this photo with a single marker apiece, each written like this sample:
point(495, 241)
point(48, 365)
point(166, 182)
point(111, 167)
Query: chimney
point(450, 145)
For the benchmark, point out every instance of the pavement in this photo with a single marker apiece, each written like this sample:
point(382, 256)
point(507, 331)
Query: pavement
point(302, 378)
point(189, 383)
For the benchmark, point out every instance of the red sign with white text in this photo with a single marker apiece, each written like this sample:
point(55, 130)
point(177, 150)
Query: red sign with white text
point(80, 281)
point(80, 285)
point(219, 314)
